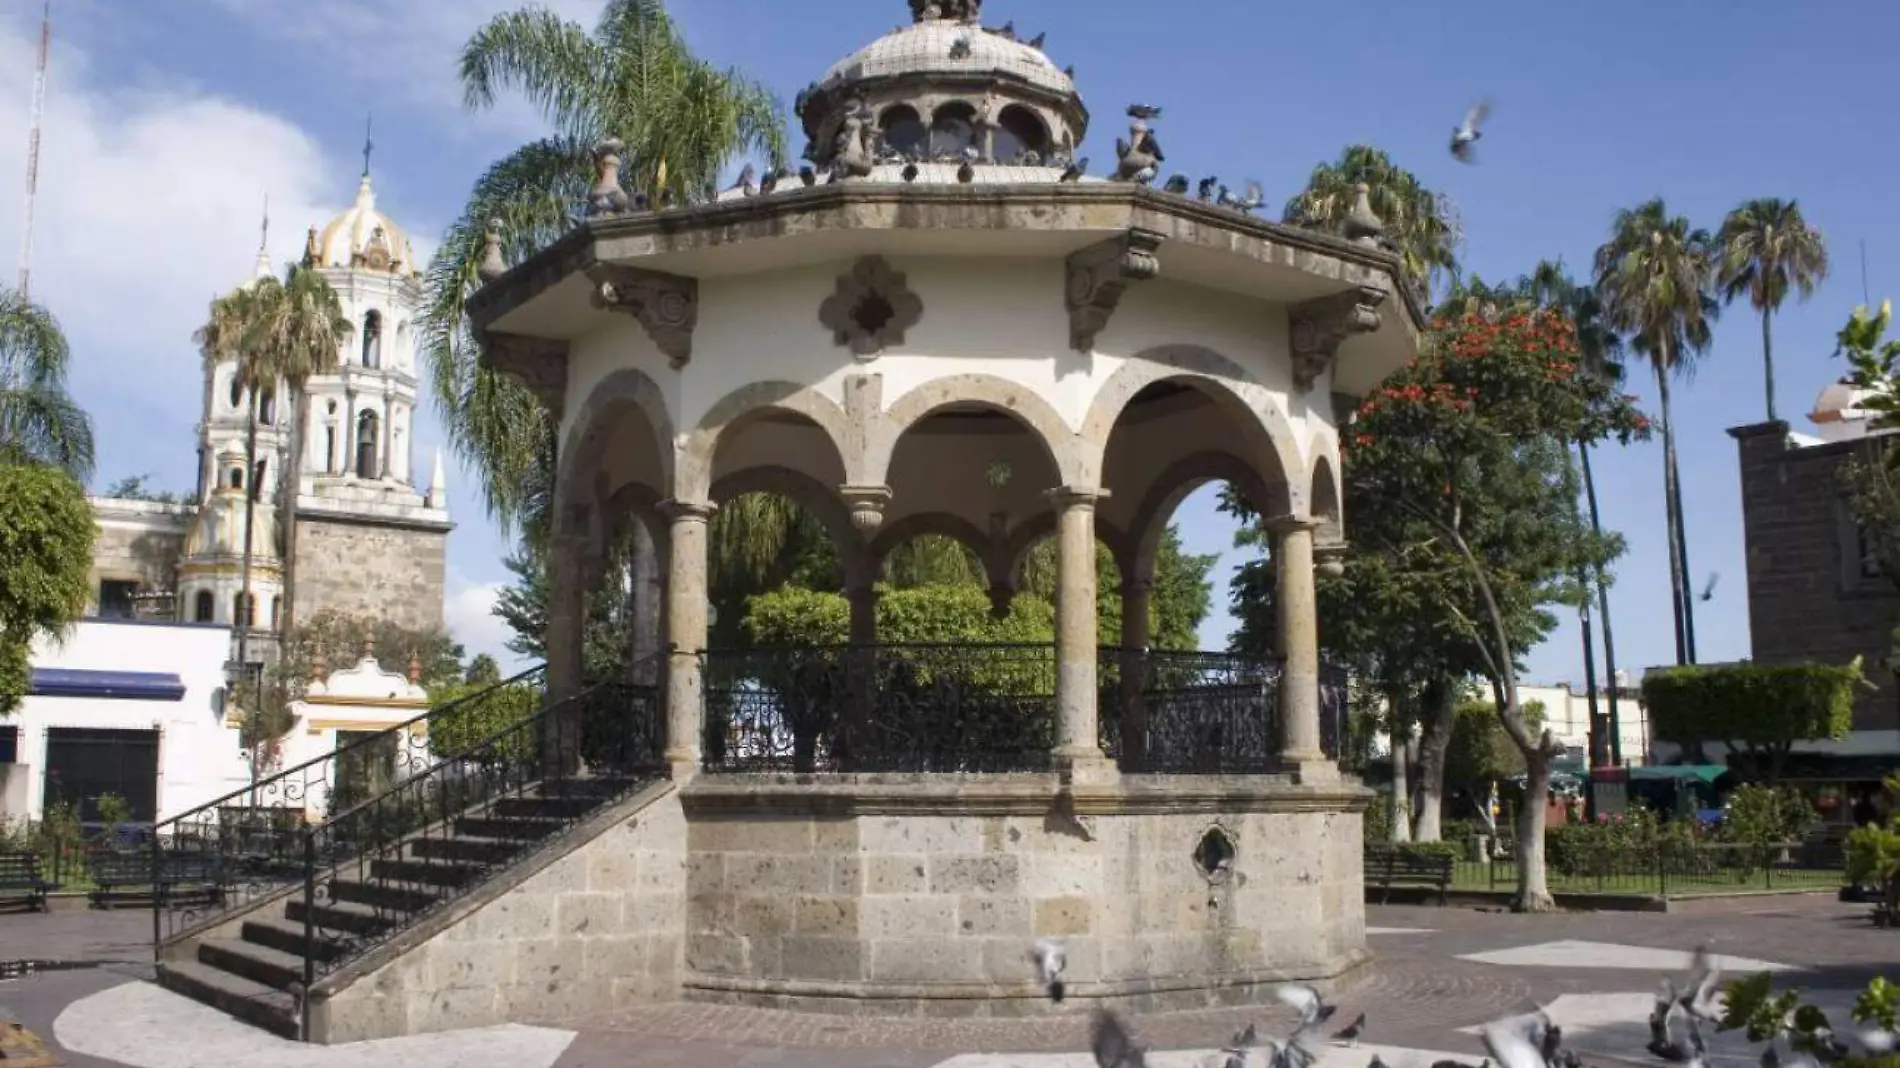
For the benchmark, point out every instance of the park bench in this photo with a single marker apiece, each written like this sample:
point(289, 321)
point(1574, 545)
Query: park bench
point(1389, 866)
point(190, 873)
point(20, 880)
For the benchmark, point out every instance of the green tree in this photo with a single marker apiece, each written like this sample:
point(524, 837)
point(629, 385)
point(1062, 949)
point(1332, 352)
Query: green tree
point(483, 670)
point(133, 488)
point(1767, 250)
point(46, 535)
point(39, 421)
point(1758, 710)
point(298, 328)
point(1872, 476)
point(632, 78)
point(1419, 223)
point(1464, 454)
point(1653, 276)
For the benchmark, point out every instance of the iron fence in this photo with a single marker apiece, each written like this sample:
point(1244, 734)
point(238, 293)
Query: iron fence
point(1672, 870)
point(1189, 713)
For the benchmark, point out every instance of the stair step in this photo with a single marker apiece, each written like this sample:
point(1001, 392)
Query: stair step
point(352, 916)
point(558, 807)
point(258, 963)
point(387, 896)
point(472, 850)
point(515, 828)
point(425, 872)
point(598, 787)
point(287, 936)
point(253, 1002)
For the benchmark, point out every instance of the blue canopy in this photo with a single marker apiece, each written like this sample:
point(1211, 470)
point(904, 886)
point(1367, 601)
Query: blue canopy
point(110, 685)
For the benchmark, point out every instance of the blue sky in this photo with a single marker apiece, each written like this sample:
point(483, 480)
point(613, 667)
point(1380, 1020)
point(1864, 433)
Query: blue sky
point(168, 123)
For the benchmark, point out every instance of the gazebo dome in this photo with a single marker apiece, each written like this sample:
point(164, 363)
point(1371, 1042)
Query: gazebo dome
point(945, 89)
point(363, 238)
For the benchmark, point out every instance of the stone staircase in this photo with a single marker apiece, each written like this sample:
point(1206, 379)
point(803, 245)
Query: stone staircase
point(258, 974)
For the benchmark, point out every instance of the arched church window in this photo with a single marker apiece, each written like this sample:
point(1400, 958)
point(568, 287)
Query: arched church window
point(267, 407)
point(952, 129)
point(257, 478)
point(236, 478)
point(241, 611)
point(366, 438)
point(373, 339)
point(276, 611)
point(237, 390)
point(204, 607)
point(329, 447)
point(1018, 131)
point(903, 130)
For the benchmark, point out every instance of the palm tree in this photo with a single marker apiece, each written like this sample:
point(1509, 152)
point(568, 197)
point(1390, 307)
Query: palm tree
point(681, 120)
point(1549, 283)
point(1767, 248)
point(1419, 223)
point(1653, 277)
point(38, 420)
point(229, 334)
point(297, 332)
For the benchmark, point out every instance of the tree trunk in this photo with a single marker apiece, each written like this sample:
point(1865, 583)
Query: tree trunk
point(1440, 708)
point(1533, 882)
point(1401, 787)
point(1768, 362)
point(293, 482)
point(1603, 614)
point(242, 610)
point(1670, 504)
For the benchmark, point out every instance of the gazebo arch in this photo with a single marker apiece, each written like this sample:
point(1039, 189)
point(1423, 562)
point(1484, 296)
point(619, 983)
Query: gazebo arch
point(620, 393)
point(699, 456)
point(1014, 399)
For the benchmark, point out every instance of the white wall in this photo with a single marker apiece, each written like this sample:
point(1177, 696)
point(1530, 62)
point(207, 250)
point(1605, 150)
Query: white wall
point(198, 756)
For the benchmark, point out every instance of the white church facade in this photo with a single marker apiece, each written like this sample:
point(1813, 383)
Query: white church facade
point(169, 599)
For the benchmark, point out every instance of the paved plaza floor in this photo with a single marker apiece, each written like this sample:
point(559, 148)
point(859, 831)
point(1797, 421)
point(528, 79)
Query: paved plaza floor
point(1439, 974)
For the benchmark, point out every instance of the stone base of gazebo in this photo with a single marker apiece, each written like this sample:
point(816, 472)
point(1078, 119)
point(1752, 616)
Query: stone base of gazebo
point(923, 894)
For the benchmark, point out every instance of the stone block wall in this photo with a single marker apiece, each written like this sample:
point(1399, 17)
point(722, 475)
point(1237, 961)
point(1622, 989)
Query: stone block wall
point(598, 928)
point(397, 573)
point(1807, 598)
point(143, 548)
point(926, 898)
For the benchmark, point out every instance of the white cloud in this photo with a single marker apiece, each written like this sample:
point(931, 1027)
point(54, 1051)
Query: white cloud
point(468, 615)
point(400, 47)
point(149, 203)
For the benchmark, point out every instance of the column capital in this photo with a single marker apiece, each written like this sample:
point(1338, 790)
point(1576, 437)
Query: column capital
point(678, 511)
point(867, 505)
point(1331, 557)
point(1293, 524)
point(1076, 496)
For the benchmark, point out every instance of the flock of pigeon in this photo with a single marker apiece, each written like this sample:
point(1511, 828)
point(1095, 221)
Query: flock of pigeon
point(1530, 1040)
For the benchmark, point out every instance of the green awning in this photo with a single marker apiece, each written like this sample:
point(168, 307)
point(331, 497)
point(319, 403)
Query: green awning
point(1707, 773)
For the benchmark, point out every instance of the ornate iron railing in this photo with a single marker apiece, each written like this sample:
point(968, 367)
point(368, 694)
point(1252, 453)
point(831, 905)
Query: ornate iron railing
point(883, 708)
point(391, 860)
point(227, 853)
point(1189, 713)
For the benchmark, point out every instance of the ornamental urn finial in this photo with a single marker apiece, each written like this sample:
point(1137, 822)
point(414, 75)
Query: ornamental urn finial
point(965, 11)
point(492, 265)
point(606, 197)
point(1362, 226)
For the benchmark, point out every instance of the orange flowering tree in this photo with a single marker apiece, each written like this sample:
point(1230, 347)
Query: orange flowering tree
point(1461, 495)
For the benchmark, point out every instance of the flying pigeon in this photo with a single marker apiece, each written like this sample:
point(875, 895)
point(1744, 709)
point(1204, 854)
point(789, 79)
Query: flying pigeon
point(1143, 111)
point(1509, 1042)
point(1253, 198)
point(1306, 1001)
point(1468, 132)
point(1050, 961)
point(1109, 1041)
point(1351, 1032)
point(1708, 592)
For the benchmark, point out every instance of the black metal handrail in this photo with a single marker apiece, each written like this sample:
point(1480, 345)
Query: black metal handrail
point(410, 850)
point(971, 707)
point(249, 838)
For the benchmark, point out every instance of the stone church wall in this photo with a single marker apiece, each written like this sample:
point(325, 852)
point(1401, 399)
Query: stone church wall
point(376, 571)
point(137, 541)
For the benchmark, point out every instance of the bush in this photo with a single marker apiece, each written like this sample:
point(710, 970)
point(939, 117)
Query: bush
point(1765, 815)
point(1637, 840)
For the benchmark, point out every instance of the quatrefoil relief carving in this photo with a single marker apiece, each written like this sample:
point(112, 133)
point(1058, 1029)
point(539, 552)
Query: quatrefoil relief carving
point(871, 308)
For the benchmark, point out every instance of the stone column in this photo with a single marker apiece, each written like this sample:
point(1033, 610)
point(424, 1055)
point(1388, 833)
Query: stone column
point(349, 433)
point(1078, 739)
point(1299, 648)
point(1134, 672)
point(566, 638)
point(649, 585)
point(686, 592)
point(389, 439)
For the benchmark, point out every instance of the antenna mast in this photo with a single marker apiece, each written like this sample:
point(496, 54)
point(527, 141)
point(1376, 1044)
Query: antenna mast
point(33, 148)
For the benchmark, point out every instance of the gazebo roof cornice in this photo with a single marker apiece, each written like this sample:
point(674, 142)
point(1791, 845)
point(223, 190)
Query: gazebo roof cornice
point(819, 222)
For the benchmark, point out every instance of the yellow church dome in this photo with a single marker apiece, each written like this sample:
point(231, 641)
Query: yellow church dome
point(363, 238)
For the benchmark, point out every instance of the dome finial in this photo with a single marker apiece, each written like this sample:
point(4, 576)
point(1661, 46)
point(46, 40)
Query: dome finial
point(368, 144)
point(263, 242)
point(964, 11)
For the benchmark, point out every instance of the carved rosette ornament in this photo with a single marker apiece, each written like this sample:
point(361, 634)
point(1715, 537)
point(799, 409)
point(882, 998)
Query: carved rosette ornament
point(538, 363)
point(866, 504)
point(666, 305)
point(1099, 275)
point(1318, 326)
point(871, 309)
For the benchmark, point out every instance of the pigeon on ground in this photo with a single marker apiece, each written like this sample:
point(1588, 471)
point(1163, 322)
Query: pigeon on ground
point(807, 175)
point(960, 48)
point(1037, 41)
point(1075, 170)
point(1051, 961)
point(1111, 1044)
point(1205, 190)
point(1177, 184)
point(1351, 1032)
point(909, 172)
point(1306, 1001)
point(1467, 132)
point(1245, 1037)
point(1375, 1062)
point(1688, 1050)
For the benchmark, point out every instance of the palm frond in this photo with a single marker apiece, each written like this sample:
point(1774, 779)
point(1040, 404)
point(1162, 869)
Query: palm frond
point(553, 62)
point(39, 420)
